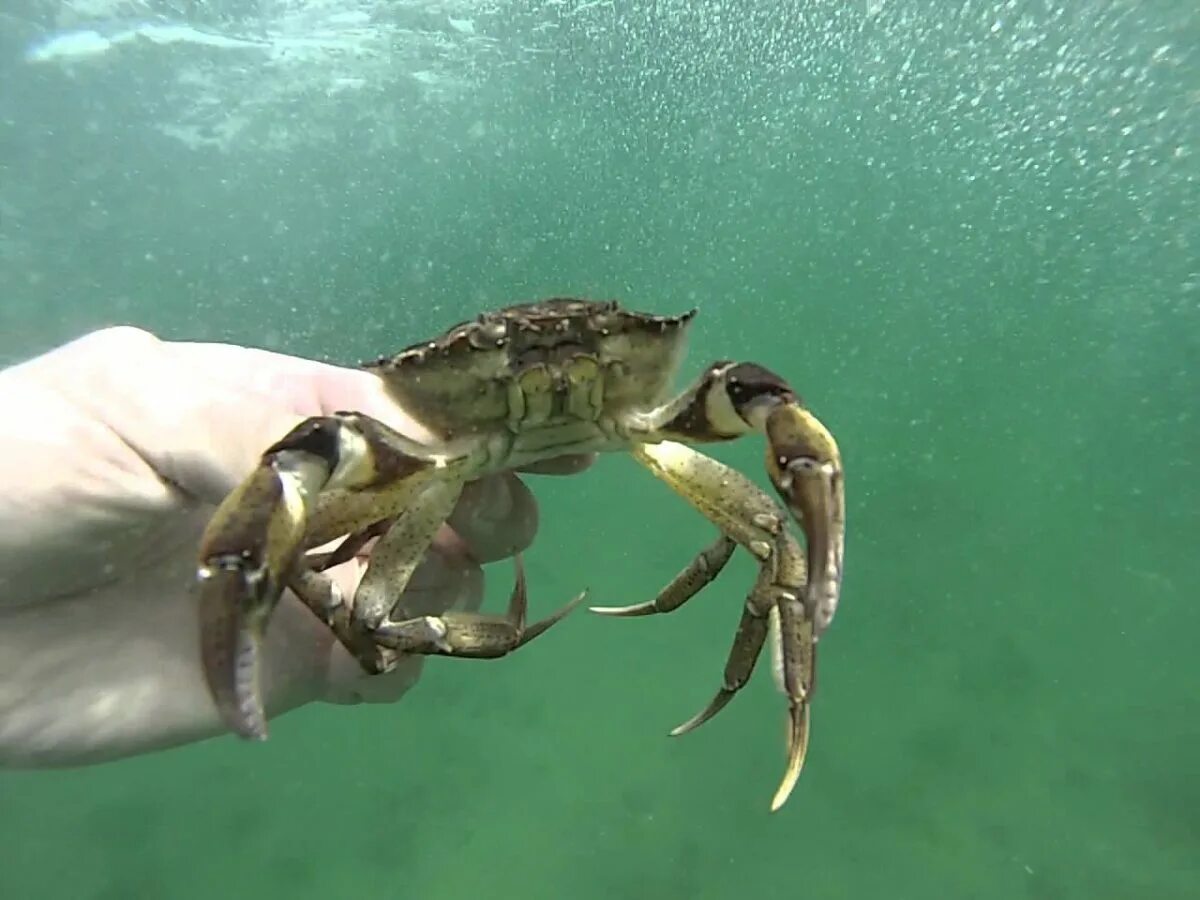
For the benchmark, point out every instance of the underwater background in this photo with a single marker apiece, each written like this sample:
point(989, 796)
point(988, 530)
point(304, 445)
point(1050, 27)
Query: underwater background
point(966, 231)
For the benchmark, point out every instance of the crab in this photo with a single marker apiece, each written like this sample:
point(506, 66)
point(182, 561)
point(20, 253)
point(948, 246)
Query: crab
point(514, 387)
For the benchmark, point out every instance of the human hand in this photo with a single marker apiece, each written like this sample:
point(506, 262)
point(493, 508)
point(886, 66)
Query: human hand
point(116, 449)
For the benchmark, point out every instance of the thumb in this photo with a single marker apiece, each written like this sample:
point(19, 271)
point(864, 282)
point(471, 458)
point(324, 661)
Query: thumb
point(202, 414)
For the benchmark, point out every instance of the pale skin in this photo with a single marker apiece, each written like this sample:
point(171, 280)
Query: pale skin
point(115, 450)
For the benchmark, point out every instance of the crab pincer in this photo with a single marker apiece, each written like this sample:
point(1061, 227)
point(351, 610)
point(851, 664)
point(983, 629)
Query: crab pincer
point(248, 551)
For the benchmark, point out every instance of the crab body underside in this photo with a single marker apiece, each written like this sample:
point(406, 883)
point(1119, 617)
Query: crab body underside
point(514, 387)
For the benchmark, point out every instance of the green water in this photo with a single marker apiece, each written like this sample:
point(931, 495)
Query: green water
point(968, 235)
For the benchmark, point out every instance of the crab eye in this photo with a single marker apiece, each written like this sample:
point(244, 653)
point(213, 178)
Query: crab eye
point(489, 334)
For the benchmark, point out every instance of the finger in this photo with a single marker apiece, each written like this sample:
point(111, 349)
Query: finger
point(496, 516)
point(449, 577)
point(562, 465)
point(247, 398)
point(303, 387)
point(198, 415)
point(243, 399)
point(348, 684)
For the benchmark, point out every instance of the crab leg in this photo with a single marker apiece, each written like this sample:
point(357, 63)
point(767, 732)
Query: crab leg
point(750, 518)
point(472, 635)
point(795, 602)
point(252, 544)
point(683, 587)
point(348, 548)
point(743, 655)
point(377, 619)
point(399, 551)
point(393, 561)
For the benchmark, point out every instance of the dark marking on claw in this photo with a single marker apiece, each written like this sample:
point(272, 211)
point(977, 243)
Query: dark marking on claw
point(317, 436)
point(749, 385)
point(694, 420)
point(391, 464)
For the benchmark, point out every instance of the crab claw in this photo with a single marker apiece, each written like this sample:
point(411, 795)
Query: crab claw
point(805, 467)
point(250, 545)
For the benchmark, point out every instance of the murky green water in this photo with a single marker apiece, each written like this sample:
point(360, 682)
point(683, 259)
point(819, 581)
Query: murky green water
point(967, 233)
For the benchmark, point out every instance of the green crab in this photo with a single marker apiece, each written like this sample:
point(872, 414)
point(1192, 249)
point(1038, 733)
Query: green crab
point(513, 387)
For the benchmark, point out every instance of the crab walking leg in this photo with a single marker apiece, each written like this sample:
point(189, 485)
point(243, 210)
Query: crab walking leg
point(376, 618)
point(699, 573)
point(348, 548)
point(472, 635)
point(743, 655)
point(775, 606)
point(375, 626)
point(396, 555)
point(390, 568)
point(796, 653)
point(253, 542)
